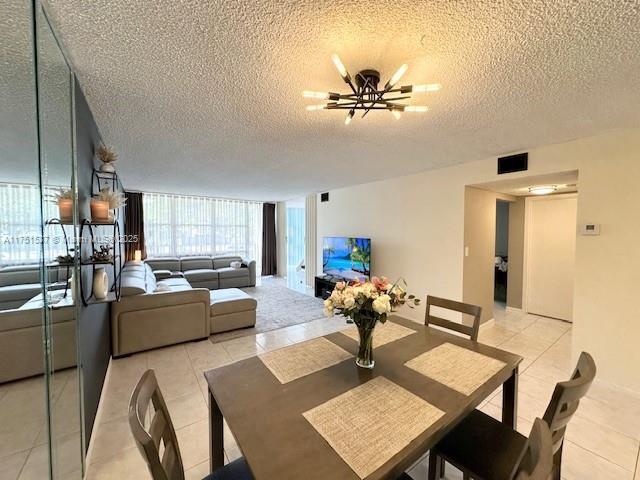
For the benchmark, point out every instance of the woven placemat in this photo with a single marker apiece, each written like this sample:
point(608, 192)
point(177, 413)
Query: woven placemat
point(456, 367)
point(290, 363)
point(384, 333)
point(371, 423)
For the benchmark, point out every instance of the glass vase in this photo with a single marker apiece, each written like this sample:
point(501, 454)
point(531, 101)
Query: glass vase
point(365, 350)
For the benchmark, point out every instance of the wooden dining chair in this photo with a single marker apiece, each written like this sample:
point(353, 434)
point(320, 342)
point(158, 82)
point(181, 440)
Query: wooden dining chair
point(464, 308)
point(537, 461)
point(484, 448)
point(158, 443)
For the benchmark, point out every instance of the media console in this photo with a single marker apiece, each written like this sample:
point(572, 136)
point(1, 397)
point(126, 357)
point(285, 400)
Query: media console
point(324, 285)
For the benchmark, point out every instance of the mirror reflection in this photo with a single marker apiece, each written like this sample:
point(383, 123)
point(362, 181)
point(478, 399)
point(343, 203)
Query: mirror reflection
point(40, 411)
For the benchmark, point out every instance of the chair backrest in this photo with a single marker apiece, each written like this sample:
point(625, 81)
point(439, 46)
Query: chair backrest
point(465, 308)
point(566, 397)
point(157, 442)
point(537, 459)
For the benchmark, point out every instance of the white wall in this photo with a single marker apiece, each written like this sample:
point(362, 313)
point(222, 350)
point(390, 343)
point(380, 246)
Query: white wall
point(607, 286)
point(416, 224)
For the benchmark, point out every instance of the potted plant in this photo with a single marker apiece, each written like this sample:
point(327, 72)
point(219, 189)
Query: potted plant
point(63, 197)
point(108, 158)
point(365, 304)
point(113, 200)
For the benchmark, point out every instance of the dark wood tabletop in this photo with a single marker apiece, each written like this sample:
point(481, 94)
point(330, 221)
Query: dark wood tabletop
point(266, 419)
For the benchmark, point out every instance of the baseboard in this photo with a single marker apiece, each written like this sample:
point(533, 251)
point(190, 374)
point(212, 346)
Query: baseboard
point(488, 323)
point(98, 419)
point(513, 309)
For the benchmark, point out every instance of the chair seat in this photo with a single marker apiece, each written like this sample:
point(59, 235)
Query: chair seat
point(483, 446)
point(236, 470)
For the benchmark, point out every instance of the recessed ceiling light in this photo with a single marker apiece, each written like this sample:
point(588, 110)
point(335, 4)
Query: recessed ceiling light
point(543, 189)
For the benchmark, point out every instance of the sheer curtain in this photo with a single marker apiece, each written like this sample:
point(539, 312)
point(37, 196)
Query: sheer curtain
point(20, 234)
point(178, 225)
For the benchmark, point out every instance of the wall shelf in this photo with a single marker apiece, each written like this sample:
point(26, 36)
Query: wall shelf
point(87, 249)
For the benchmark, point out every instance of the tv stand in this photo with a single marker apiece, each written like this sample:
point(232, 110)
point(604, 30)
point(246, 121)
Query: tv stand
point(324, 285)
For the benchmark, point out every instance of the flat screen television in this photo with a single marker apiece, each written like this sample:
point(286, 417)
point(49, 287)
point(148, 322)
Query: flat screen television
point(346, 257)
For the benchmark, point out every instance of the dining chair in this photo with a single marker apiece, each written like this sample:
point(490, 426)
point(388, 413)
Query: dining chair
point(464, 308)
point(158, 443)
point(535, 462)
point(485, 448)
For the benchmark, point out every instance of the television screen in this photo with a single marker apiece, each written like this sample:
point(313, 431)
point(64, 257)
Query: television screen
point(346, 257)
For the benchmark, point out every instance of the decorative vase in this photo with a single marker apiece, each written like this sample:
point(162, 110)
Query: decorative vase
point(108, 167)
point(365, 349)
point(100, 284)
point(99, 210)
point(65, 209)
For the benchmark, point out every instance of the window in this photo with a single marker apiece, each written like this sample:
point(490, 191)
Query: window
point(20, 234)
point(177, 225)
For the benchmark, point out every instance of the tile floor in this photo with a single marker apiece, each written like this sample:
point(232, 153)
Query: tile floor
point(23, 432)
point(603, 439)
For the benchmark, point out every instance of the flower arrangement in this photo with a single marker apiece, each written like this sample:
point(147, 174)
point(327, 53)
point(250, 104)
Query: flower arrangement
point(61, 194)
point(365, 304)
point(63, 197)
point(114, 199)
point(108, 157)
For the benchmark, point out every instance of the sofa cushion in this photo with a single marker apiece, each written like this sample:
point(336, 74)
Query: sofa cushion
point(19, 274)
point(134, 270)
point(201, 275)
point(175, 284)
point(230, 272)
point(223, 262)
point(230, 300)
point(132, 285)
point(195, 263)
point(164, 263)
point(33, 317)
point(11, 293)
point(162, 274)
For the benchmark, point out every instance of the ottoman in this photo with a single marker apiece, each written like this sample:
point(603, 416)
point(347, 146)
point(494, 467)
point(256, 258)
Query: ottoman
point(231, 309)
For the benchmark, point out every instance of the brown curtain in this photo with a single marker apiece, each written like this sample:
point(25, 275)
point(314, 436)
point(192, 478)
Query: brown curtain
point(269, 249)
point(134, 225)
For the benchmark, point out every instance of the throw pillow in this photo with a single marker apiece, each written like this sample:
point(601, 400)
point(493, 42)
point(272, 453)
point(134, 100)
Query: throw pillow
point(235, 264)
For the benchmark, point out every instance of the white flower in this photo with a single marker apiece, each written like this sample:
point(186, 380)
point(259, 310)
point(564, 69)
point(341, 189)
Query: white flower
point(385, 298)
point(349, 302)
point(380, 305)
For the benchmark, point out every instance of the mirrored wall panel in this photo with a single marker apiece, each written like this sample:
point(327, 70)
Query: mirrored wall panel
point(40, 407)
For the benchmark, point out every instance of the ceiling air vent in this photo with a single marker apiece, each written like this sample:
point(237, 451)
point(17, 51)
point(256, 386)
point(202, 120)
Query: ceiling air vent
point(513, 163)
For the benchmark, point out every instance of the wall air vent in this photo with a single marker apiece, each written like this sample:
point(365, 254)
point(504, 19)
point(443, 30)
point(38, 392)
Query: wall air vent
point(324, 197)
point(513, 163)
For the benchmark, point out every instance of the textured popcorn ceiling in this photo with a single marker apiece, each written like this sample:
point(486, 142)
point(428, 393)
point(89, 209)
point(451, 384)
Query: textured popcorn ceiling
point(204, 97)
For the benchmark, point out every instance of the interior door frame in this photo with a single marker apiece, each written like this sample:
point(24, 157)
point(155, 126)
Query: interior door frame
point(528, 205)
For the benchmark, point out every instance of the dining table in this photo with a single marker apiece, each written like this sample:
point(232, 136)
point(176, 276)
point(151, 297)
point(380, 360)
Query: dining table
point(307, 411)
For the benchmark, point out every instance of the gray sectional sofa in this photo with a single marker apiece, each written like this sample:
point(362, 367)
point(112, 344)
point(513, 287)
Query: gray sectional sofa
point(205, 271)
point(19, 284)
point(162, 309)
point(21, 341)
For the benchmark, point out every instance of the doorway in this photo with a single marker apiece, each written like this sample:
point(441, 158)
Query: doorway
point(494, 270)
point(501, 270)
point(295, 244)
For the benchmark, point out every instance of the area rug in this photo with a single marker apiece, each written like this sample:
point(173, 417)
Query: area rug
point(278, 307)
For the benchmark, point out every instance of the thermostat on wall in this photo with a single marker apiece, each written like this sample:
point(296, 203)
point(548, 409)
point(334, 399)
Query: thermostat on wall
point(590, 229)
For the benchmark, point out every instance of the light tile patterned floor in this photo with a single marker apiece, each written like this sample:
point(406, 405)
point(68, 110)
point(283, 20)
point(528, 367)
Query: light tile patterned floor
point(602, 440)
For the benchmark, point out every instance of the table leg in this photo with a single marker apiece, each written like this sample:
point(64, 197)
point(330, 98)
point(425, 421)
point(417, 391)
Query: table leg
point(510, 400)
point(216, 445)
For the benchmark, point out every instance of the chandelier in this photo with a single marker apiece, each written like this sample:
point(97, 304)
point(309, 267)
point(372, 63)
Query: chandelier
point(366, 95)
